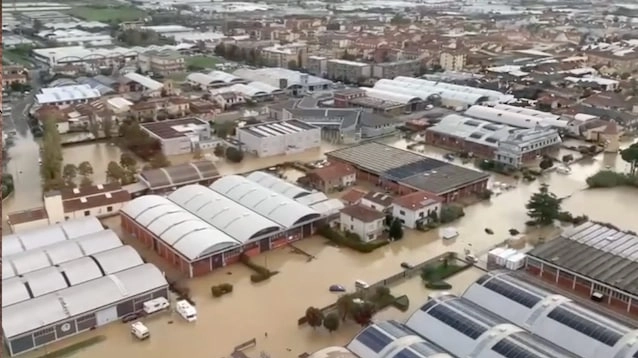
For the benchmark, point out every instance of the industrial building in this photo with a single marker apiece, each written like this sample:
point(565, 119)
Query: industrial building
point(252, 91)
point(376, 100)
point(348, 71)
point(160, 180)
point(391, 339)
point(199, 229)
point(98, 56)
point(66, 95)
point(213, 79)
point(279, 138)
point(555, 318)
point(591, 258)
point(180, 136)
point(67, 279)
point(449, 95)
point(516, 116)
point(404, 172)
point(293, 82)
point(465, 329)
point(501, 143)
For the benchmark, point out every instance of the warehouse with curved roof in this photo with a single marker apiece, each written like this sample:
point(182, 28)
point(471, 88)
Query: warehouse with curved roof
point(276, 207)
point(389, 339)
point(32, 239)
point(55, 254)
point(184, 233)
point(36, 322)
point(278, 185)
point(553, 317)
point(54, 278)
point(491, 95)
point(391, 95)
point(521, 119)
point(465, 329)
point(237, 221)
point(449, 97)
point(333, 352)
point(396, 87)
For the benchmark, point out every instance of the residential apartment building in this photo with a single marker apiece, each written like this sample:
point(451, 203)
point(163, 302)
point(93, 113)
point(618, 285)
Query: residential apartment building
point(452, 60)
point(348, 71)
point(162, 63)
point(416, 209)
point(398, 68)
point(158, 108)
point(317, 65)
point(283, 55)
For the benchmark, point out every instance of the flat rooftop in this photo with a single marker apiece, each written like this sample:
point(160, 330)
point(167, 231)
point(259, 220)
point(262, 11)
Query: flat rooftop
point(602, 253)
point(274, 129)
point(412, 169)
point(173, 128)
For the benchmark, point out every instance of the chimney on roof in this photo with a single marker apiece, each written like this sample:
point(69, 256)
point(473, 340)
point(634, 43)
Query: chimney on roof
point(100, 186)
point(76, 191)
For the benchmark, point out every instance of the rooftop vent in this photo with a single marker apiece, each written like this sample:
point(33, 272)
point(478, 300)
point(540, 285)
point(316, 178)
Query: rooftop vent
point(100, 186)
point(76, 191)
point(108, 195)
point(83, 200)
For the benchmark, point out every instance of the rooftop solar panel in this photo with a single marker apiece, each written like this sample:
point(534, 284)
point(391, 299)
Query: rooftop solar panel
point(411, 169)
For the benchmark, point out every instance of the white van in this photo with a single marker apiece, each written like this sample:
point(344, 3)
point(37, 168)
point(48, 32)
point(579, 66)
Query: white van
point(186, 310)
point(140, 331)
point(361, 285)
point(155, 305)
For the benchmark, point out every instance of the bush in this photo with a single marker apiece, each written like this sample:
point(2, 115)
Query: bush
point(261, 273)
point(485, 194)
point(438, 285)
point(402, 303)
point(350, 240)
point(221, 290)
point(450, 213)
point(234, 155)
point(610, 179)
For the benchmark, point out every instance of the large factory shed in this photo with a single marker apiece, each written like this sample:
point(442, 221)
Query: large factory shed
point(42, 320)
point(404, 172)
point(555, 318)
point(199, 229)
point(465, 329)
point(592, 258)
point(391, 339)
point(32, 239)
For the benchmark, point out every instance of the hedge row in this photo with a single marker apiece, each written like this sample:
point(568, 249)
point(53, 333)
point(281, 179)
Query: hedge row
point(221, 290)
point(349, 240)
point(261, 273)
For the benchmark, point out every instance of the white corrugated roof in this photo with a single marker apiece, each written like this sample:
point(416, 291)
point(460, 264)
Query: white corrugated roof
point(228, 216)
point(277, 185)
point(220, 76)
point(200, 79)
point(145, 81)
point(390, 96)
point(32, 239)
point(178, 228)
point(67, 93)
point(45, 310)
point(278, 208)
point(60, 252)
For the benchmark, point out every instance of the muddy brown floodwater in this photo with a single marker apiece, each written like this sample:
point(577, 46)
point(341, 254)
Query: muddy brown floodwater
point(274, 306)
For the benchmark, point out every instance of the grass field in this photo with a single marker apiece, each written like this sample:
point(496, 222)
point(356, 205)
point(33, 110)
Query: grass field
point(107, 14)
point(201, 61)
point(15, 56)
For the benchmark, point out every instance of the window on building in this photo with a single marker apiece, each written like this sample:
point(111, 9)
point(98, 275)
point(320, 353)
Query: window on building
point(109, 209)
point(87, 212)
point(401, 212)
point(352, 227)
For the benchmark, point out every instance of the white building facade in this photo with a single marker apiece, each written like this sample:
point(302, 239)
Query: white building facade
point(363, 221)
point(279, 138)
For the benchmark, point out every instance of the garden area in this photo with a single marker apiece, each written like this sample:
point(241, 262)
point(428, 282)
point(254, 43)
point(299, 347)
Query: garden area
point(196, 63)
point(434, 275)
point(350, 240)
point(359, 307)
point(109, 14)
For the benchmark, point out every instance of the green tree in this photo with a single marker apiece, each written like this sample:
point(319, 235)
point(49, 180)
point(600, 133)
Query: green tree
point(86, 181)
point(344, 306)
point(85, 169)
point(127, 162)
point(69, 173)
point(396, 230)
point(630, 155)
point(388, 220)
point(543, 207)
point(115, 173)
point(331, 322)
point(51, 168)
point(219, 150)
point(546, 163)
point(362, 313)
point(314, 316)
point(234, 155)
point(159, 160)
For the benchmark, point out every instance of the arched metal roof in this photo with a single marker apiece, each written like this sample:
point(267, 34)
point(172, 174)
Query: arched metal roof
point(393, 96)
point(397, 87)
point(465, 329)
point(225, 214)
point(550, 316)
point(46, 310)
point(509, 117)
point(467, 97)
point(388, 339)
point(54, 254)
point(200, 79)
point(220, 76)
point(248, 91)
point(276, 207)
point(491, 94)
point(265, 87)
point(183, 231)
point(278, 185)
point(54, 278)
point(33, 239)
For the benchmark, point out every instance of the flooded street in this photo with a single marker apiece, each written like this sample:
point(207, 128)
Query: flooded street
point(275, 305)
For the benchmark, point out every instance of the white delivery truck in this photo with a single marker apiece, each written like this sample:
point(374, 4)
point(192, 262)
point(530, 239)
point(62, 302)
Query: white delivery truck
point(140, 331)
point(155, 305)
point(186, 310)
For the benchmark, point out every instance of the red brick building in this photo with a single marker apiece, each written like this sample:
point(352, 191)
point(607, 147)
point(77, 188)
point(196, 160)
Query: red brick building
point(403, 172)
